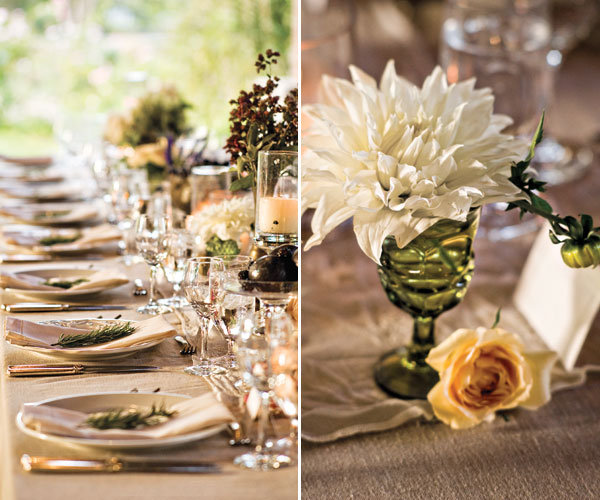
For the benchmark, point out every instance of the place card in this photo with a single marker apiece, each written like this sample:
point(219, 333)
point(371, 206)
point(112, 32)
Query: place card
point(559, 302)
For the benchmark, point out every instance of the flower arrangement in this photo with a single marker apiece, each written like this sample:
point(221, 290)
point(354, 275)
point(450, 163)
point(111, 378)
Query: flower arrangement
point(144, 132)
point(259, 121)
point(223, 228)
point(483, 371)
point(397, 158)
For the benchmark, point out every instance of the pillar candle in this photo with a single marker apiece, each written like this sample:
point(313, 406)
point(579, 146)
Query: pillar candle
point(278, 215)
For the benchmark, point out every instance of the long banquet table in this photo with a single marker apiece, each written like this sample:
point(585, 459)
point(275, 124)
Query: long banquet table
point(18, 485)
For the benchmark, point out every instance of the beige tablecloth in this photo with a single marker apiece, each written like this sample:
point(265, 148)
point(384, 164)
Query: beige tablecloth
point(16, 484)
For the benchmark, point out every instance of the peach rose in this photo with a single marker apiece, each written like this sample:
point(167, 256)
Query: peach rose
point(485, 370)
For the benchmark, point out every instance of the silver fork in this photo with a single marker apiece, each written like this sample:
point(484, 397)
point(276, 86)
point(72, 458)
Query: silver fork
point(187, 348)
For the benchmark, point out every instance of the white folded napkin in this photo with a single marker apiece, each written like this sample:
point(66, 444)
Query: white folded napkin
point(101, 279)
point(24, 282)
point(90, 237)
point(191, 415)
point(28, 214)
point(29, 333)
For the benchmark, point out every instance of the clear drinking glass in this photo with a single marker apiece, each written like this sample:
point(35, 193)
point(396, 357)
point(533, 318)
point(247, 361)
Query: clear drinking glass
point(277, 199)
point(254, 358)
point(180, 248)
point(234, 307)
point(283, 342)
point(152, 244)
point(502, 43)
point(203, 287)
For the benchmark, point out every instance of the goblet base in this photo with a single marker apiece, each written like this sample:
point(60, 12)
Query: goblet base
point(404, 374)
point(205, 369)
point(154, 308)
point(175, 302)
point(263, 461)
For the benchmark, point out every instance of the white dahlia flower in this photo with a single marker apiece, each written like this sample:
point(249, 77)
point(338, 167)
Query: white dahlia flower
point(399, 158)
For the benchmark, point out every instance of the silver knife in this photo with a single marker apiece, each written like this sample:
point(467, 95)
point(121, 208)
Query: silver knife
point(115, 464)
point(73, 369)
point(23, 307)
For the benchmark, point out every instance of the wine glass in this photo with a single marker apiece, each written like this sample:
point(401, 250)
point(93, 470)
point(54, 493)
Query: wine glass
point(254, 358)
point(283, 342)
point(180, 247)
point(202, 284)
point(152, 244)
point(234, 306)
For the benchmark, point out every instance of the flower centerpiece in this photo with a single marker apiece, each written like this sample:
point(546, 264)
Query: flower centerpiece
point(412, 167)
point(260, 121)
point(224, 228)
point(143, 133)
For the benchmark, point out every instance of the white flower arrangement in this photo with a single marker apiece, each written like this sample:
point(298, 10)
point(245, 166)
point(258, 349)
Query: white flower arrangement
point(398, 158)
point(228, 220)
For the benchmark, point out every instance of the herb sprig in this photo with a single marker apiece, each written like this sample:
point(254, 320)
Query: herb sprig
point(96, 336)
point(65, 284)
point(579, 238)
point(129, 418)
point(55, 240)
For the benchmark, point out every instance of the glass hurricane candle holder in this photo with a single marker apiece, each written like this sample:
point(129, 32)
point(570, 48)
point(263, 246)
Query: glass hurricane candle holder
point(428, 276)
point(277, 199)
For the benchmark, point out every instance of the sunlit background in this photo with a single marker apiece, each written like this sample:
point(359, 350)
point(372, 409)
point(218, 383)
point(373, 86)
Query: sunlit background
point(66, 64)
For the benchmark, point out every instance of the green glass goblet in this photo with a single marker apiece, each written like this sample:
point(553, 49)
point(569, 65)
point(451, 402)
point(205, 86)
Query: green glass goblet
point(428, 276)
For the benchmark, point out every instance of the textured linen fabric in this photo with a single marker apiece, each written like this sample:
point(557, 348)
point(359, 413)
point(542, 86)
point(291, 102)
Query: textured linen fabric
point(15, 484)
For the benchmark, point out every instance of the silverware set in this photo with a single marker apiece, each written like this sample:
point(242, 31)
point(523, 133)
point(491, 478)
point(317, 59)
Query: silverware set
point(187, 348)
point(39, 370)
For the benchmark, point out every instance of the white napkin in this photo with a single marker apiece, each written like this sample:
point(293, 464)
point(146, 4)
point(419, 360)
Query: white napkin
point(90, 237)
point(24, 282)
point(29, 333)
point(101, 279)
point(28, 214)
point(192, 415)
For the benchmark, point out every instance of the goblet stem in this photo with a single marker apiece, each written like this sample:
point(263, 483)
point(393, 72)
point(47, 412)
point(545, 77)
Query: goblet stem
point(153, 271)
point(423, 330)
point(263, 420)
point(203, 330)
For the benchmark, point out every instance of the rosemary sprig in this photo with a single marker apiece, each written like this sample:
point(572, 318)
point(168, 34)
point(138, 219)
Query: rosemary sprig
point(96, 336)
point(66, 284)
point(129, 418)
point(580, 239)
point(55, 240)
point(53, 214)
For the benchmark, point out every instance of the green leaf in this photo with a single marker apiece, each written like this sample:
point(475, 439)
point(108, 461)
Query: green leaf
point(537, 138)
point(553, 238)
point(241, 183)
point(497, 319)
point(587, 223)
point(540, 204)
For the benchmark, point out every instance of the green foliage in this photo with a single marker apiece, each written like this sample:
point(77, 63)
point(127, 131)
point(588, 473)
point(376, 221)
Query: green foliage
point(96, 336)
point(49, 241)
point(65, 284)
point(218, 247)
point(157, 114)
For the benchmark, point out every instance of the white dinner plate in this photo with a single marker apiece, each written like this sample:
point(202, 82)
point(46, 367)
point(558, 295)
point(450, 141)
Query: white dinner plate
point(91, 403)
point(60, 293)
point(83, 353)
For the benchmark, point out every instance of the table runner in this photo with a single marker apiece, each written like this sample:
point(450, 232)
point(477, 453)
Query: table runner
point(232, 483)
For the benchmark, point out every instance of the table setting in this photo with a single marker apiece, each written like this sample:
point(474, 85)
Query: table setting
point(149, 324)
point(448, 343)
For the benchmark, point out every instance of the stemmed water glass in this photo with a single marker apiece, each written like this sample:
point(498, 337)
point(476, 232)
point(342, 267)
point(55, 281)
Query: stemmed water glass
point(234, 306)
point(283, 342)
point(202, 284)
point(152, 244)
point(180, 248)
point(254, 357)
